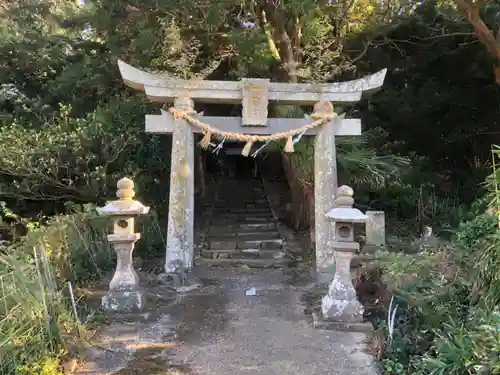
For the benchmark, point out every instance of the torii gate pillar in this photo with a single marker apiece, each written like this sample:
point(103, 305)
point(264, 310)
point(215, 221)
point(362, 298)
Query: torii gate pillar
point(325, 187)
point(180, 230)
point(254, 94)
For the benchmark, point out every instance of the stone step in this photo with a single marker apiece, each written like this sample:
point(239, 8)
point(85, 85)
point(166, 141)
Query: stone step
point(232, 215)
point(223, 234)
point(240, 199)
point(239, 209)
point(244, 206)
point(249, 186)
point(270, 244)
point(226, 221)
point(249, 210)
point(240, 203)
point(252, 263)
point(254, 182)
point(243, 254)
point(242, 189)
point(242, 193)
point(244, 227)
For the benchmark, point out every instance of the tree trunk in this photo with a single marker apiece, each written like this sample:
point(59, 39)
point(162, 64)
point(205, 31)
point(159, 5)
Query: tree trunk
point(471, 9)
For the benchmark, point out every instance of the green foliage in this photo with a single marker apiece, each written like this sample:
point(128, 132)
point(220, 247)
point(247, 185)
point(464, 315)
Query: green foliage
point(79, 159)
point(448, 319)
point(35, 326)
point(59, 87)
point(77, 247)
point(46, 366)
point(358, 163)
point(465, 347)
point(66, 159)
point(474, 232)
point(427, 107)
point(77, 251)
point(485, 260)
point(389, 367)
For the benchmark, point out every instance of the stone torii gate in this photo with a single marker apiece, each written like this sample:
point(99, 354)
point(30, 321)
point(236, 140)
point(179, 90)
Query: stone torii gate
point(254, 95)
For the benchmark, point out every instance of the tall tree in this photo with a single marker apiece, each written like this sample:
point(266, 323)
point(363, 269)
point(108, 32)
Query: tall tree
point(472, 10)
point(287, 41)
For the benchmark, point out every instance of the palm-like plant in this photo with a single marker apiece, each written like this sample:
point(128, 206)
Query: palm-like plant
point(357, 163)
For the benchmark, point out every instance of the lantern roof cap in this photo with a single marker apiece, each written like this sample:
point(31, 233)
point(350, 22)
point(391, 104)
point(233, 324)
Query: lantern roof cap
point(344, 212)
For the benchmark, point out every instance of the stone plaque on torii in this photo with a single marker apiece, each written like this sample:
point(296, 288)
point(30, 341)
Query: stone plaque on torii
point(254, 95)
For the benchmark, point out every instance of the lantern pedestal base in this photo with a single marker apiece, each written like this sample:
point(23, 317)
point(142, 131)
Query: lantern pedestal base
point(124, 301)
point(320, 323)
point(340, 307)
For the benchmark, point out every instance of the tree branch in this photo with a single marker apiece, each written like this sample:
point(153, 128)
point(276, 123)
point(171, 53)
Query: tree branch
point(285, 46)
point(270, 41)
point(471, 9)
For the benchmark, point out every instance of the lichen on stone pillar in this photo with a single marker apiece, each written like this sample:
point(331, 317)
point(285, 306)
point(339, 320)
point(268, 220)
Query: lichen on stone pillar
point(325, 184)
point(180, 232)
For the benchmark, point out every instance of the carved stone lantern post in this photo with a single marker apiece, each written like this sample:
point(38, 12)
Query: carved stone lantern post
point(124, 294)
point(340, 307)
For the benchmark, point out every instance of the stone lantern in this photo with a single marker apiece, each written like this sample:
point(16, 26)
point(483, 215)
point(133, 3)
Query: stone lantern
point(124, 294)
point(340, 305)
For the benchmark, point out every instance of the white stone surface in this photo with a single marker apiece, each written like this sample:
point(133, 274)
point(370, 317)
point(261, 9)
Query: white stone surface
point(346, 214)
point(117, 208)
point(255, 101)
point(125, 277)
point(223, 332)
point(124, 301)
point(164, 124)
point(124, 293)
point(340, 304)
point(163, 89)
point(375, 228)
point(117, 238)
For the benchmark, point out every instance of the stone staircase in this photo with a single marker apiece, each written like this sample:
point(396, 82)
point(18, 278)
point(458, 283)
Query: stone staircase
point(241, 228)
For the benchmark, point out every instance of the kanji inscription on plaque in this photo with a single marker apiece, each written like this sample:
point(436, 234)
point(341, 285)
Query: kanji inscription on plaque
point(255, 101)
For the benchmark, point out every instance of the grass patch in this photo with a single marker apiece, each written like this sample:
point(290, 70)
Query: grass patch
point(38, 327)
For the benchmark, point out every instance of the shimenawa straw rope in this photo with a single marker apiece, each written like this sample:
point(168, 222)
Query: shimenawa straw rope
point(323, 113)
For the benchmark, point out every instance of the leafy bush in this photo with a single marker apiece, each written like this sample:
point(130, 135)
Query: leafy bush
point(63, 158)
point(475, 231)
point(446, 322)
point(426, 288)
point(75, 246)
point(464, 347)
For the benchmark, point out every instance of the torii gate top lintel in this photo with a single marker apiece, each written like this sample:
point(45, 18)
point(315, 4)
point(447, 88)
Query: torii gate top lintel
point(166, 90)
